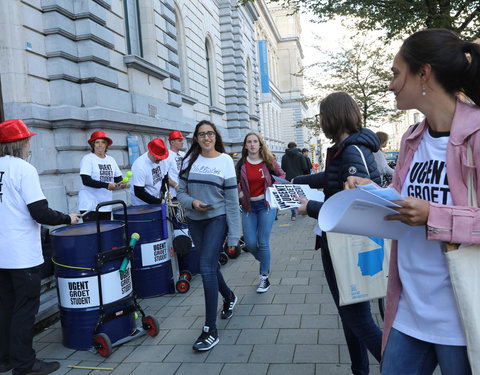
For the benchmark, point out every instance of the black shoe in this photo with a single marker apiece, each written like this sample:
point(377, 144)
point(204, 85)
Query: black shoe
point(42, 368)
point(207, 340)
point(5, 366)
point(264, 284)
point(228, 306)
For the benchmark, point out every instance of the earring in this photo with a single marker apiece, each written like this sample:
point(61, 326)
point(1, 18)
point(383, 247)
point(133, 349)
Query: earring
point(423, 91)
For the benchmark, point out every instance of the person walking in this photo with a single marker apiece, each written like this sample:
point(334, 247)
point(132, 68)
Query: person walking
point(307, 159)
point(175, 157)
point(353, 148)
point(208, 192)
point(100, 176)
point(23, 207)
point(381, 160)
point(149, 172)
point(294, 164)
point(422, 323)
point(255, 171)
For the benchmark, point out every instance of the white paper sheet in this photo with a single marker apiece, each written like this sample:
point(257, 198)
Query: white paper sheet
point(283, 196)
point(361, 212)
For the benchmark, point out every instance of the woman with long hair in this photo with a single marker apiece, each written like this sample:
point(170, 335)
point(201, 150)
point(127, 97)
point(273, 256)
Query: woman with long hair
point(208, 192)
point(434, 72)
point(255, 171)
point(350, 155)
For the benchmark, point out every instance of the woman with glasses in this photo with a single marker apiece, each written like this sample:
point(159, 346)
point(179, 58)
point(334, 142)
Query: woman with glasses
point(255, 171)
point(208, 191)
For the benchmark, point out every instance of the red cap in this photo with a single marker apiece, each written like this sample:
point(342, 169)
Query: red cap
point(158, 148)
point(176, 134)
point(99, 134)
point(14, 130)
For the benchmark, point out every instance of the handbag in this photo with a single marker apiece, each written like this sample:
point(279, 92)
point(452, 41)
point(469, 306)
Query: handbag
point(360, 264)
point(464, 268)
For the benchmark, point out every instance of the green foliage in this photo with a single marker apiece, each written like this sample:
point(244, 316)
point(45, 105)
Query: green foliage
point(363, 71)
point(398, 17)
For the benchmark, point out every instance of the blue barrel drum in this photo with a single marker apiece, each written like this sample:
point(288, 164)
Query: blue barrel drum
point(74, 251)
point(152, 268)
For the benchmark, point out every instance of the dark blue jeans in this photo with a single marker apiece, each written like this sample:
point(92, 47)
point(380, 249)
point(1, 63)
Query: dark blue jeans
point(361, 332)
point(208, 236)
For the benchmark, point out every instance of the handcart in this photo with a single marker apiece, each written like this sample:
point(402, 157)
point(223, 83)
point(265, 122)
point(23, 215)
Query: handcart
point(128, 305)
point(180, 244)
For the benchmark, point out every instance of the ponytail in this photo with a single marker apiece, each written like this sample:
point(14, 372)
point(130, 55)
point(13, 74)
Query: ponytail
point(471, 77)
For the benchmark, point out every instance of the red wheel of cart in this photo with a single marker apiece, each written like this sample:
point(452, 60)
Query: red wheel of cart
point(232, 253)
point(223, 258)
point(187, 275)
point(151, 325)
point(102, 343)
point(183, 286)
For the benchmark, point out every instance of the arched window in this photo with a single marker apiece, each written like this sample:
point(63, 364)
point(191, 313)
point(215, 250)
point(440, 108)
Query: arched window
point(182, 51)
point(211, 76)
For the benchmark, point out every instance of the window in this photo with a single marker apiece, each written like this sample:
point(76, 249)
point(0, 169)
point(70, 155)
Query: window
point(132, 27)
point(209, 55)
point(182, 54)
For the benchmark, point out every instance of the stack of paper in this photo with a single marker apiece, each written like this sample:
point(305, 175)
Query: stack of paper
point(361, 211)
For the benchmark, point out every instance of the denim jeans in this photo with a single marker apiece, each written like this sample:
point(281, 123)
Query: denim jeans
point(405, 355)
point(294, 212)
point(361, 332)
point(257, 227)
point(208, 236)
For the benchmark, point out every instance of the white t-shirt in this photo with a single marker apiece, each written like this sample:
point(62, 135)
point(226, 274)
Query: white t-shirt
point(174, 161)
point(427, 308)
point(99, 169)
point(149, 175)
point(20, 244)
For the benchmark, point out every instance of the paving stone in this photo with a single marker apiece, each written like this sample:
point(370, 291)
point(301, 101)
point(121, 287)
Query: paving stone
point(230, 353)
point(289, 369)
point(285, 321)
point(199, 368)
point(297, 336)
point(274, 353)
point(277, 309)
point(258, 336)
point(245, 369)
point(316, 354)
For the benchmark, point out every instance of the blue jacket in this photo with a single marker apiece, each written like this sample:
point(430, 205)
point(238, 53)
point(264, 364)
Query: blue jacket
point(342, 161)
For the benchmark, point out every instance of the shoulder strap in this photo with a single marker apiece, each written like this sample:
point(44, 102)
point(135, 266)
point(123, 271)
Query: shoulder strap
point(363, 159)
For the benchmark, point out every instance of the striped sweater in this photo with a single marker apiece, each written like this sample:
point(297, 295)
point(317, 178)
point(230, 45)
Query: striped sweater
point(213, 181)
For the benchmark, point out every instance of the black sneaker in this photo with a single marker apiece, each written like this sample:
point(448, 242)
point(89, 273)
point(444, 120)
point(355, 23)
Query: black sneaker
point(5, 366)
point(264, 284)
point(207, 340)
point(228, 306)
point(42, 368)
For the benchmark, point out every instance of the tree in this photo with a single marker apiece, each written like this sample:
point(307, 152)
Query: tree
point(363, 71)
point(398, 17)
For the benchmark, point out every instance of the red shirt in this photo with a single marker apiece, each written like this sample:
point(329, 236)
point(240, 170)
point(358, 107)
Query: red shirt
point(256, 179)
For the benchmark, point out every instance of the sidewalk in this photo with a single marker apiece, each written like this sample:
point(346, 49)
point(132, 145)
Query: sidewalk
point(292, 329)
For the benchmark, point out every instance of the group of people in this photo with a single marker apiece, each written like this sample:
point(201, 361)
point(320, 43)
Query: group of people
point(422, 325)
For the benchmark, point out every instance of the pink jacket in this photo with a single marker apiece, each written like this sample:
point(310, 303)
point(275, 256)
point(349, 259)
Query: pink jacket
point(456, 224)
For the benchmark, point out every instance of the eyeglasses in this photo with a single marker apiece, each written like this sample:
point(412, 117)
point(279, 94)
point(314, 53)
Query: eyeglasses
point(209, 134)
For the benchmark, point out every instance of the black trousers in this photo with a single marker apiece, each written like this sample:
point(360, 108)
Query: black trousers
point(19, 302)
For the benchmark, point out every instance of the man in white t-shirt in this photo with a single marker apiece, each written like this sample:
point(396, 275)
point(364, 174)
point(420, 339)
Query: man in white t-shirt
point(23, 207)
point(149, 172)
point(175, 157)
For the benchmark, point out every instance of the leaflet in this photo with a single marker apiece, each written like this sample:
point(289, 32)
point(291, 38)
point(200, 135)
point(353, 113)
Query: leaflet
point(283, 196)
point(358, 211)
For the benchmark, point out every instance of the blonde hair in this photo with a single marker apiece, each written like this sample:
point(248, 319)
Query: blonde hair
point(14, 148)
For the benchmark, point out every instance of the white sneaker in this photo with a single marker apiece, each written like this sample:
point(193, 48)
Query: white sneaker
point(264, 284)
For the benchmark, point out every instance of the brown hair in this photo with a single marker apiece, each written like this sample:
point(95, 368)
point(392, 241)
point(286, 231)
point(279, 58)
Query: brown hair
point(264, 152)
point(383, 137)
point(339, 114)
point(92, 147)
point(195, 148)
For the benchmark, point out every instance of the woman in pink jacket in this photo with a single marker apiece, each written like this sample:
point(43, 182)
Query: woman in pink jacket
point(255, 171)
point(422, 324)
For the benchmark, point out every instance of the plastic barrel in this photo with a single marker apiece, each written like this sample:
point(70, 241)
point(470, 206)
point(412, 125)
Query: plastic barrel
point(74, 250)
point(152, 267)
